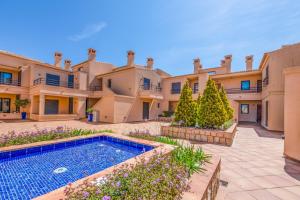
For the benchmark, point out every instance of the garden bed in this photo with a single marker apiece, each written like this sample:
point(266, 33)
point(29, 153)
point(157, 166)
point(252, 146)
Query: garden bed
point(201, 135)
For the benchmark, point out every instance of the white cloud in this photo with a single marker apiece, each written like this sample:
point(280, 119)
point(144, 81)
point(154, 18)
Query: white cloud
point(88, 31)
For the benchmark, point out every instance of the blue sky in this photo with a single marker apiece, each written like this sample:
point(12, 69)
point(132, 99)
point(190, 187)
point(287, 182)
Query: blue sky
point(172, 32)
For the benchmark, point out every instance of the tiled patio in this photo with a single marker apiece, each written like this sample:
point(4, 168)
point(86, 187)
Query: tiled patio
point(253, 168)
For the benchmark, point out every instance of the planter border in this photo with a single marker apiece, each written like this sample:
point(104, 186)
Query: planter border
point(201, 135)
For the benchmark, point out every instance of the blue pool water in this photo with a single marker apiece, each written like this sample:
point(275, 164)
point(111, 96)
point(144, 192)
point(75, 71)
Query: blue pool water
point(31, 172)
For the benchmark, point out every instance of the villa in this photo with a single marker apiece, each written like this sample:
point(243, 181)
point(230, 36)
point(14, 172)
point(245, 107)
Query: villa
point(267, 95)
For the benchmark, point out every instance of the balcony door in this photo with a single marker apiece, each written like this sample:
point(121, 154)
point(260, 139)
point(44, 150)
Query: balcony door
point(70, 81)
point(146, 107)
point(147, 83)
point(52, 79)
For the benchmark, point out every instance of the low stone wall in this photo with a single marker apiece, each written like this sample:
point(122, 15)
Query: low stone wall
point(205, 185)
point(202, 135)
point(164, 119)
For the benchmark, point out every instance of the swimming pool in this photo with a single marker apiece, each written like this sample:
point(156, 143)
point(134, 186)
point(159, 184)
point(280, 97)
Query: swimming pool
point(34, 171)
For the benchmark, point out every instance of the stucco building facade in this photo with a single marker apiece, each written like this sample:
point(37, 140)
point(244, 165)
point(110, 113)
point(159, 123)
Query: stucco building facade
point(267, 95)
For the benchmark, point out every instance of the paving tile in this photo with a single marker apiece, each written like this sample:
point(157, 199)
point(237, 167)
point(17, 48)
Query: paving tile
point(263, 195)
point(263, 182)
point(294, 189)
point(239, 196)
point(246, 184)
point(283, 194)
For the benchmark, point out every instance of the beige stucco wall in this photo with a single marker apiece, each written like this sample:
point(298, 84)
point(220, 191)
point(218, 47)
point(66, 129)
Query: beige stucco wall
point(292, 112)
point(278, 60)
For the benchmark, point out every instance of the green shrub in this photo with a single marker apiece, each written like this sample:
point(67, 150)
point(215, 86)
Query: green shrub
point(147, 136)
point(227, 124)
point(185, 110)
point(167, 113)
point(212, 113)
point(166, 140)
point(228, 108)
point(189, 157)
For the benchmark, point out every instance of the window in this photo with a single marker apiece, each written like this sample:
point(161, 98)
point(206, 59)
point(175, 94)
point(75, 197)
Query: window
point(176, 88)
point(52, 79)
point(5, 78)
point(244, 108)
point(158, 105)
point(4, 105)
point(147, 84)
point(212, 73)
point(109, 83)
point(245, 85)
point(196, 88)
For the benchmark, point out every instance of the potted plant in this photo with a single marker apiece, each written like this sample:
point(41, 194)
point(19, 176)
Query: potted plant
point(22, 103)
point(90, 114)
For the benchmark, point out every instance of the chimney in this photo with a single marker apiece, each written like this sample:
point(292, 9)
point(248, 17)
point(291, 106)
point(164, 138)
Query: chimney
point(223, 63)
point(91, 54)
point(249, 62)
point(130, 58)
point(57, 59)
point(150, 62)
point(67, 64)
point(197, 65)
point(228, 59)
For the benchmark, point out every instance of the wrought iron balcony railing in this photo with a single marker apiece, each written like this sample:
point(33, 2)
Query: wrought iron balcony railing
point(266, 81)
point(95, 88)
point(10, 82)
point(57, 83)
point(239, 90)
point(175, 91)
point(150, 87)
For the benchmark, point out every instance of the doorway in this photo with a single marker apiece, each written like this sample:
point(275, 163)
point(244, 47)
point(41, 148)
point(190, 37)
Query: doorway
point(258, 114)
point(145, 110)
point(51, 107)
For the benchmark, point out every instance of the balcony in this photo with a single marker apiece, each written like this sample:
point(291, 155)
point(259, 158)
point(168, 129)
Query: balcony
point(254, 93)
point(150, 91)
point(175, 91)
point(10, 82)
point(95, 88)
point(56, 83)
point(239, 90)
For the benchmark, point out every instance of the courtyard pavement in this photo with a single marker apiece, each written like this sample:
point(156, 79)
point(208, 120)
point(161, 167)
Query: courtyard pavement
point(253, 168)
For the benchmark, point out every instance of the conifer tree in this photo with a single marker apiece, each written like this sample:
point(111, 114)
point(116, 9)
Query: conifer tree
point(212, 112)
point(226, 104)
point(198, 104)
point(185, 110)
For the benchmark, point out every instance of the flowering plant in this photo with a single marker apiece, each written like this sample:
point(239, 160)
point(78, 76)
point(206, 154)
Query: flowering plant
point(159, 177)
point(25, 137)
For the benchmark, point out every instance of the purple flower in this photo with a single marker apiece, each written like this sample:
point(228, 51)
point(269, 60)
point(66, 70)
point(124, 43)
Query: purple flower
point(85, 194)
point(106, 198)
point(125, 175)
point(98, 192)
point(118, 184)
